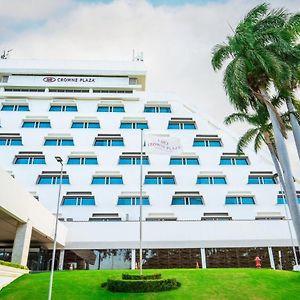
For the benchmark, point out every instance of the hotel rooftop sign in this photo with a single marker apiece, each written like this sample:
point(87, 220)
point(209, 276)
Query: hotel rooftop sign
point(50, 79)
point(66, 81)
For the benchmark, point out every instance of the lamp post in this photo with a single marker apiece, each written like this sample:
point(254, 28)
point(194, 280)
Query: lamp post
point(59, 160)
point(141, 204)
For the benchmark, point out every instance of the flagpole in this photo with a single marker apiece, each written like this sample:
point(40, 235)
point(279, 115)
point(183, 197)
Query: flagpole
point(141, 201)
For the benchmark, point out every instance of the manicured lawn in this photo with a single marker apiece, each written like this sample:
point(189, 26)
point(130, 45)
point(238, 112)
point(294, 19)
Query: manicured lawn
point(206, 284)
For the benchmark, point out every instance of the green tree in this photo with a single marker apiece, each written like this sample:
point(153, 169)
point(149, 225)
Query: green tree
point(257, 51)
point(260, 133)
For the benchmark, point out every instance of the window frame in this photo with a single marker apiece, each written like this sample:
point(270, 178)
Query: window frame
point(134, 200)
point(107, 179)
point(240, 200)
point(82, 160)
point(211, 179)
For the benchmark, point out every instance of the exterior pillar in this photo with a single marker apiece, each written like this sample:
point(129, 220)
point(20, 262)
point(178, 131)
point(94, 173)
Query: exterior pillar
point(272, 262)
point(203, 258)
point(132, 259)
point(61, 259)
point(21, 244)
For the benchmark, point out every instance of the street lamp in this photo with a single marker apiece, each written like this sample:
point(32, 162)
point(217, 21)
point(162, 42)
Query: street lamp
point(59, 160)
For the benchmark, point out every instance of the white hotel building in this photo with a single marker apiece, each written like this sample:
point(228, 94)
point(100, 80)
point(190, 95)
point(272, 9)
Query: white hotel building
point(206, 205)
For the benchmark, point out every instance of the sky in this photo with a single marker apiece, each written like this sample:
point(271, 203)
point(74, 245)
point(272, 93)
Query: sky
point(175, 36)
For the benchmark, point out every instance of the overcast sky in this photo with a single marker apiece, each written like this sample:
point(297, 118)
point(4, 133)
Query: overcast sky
point(176, 37)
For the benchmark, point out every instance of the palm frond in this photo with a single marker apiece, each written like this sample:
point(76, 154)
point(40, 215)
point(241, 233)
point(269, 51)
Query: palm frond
point(246, 139)
point(256, 13)
point(258, 141)
point(235, 117)
point(219, 54)
point(293, 25)
point(236, 84)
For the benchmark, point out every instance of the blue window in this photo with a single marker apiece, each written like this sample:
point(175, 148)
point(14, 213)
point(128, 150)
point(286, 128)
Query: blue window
point(53, 179)
point(44, 125)
point(82, 200)
point(77, 124)
point(187, 200)
point(93, 125)
point(39, 161)
point(109, 142)
point(22, 161)
point(59, 142)
point(165, 109)
point(74, 161)
point(7, 108)
point(168, 180)
point(15, 107)
point(234, 161)
point(159, 180)
point(157, 109)
point(134, 125)
point(111, 109)
point(181, 125)
point(281, 199)
point(207, 143)
point(55, 108)
point(30, 160)
point(133, 201)
point(107, 180)
point(87, 201)
point(148, 109)
point(36, 124)
point(99, 180)
point(184, 161)
point(211, 180)
point(90, 161)
point(219, 180)
point(63, 108)
point(11, 142)
point(82, 161)
point(69, 201)
point(28, 124)
point(203, 180)
point(133, 161)
point(261, 180)
point(239, 200)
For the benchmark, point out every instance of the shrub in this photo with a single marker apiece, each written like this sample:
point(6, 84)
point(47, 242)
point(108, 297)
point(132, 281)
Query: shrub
point(142, 286)
point(141, 277)
point(9, 264)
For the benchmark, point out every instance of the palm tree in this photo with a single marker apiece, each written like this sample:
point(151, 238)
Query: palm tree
point(261, 132)
point(291, 31)
point(257, 50)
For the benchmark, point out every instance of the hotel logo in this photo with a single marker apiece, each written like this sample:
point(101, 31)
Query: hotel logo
point(49, 79)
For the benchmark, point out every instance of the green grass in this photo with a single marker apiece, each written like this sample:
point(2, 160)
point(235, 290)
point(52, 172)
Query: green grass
point(206, 284)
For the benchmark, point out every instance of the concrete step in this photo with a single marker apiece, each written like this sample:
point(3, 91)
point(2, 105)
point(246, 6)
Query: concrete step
point(9, 274)
point(5, 280)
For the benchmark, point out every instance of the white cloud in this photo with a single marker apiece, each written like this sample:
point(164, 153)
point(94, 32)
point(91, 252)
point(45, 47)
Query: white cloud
point(176, 41)
point(16, 10)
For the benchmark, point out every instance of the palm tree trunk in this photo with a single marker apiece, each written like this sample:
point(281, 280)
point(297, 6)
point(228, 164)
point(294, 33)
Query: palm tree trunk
point(295, 124)
point(286, 168)
point(277, 166)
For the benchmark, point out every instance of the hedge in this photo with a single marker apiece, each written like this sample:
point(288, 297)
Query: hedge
point(141, 277)
point(9, 264)
point(142, 286)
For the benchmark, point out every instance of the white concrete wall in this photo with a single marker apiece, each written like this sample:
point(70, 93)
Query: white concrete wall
point(179, 234)
point(17, 202)
point(107, 195)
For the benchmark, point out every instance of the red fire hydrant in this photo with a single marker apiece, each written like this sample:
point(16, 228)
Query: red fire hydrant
point(257, 262)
